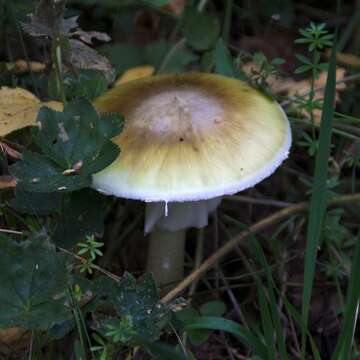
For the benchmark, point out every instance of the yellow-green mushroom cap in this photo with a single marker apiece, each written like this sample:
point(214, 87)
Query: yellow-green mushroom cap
point(192, 137)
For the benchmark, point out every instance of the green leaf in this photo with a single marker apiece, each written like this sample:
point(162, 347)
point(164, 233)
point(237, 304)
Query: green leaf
point(156, 52)
point(137, 305)
point(75, 144)
point(223, 60)
point(157, 3)
point(160, 350)
point(82, 214)
point(200, 30)
point(346, 338)
point(124, 56)
point(213, 308)
point(33, 282)
point(217, 323)
point(88, 83)
point(36, 203)
point(319, 193)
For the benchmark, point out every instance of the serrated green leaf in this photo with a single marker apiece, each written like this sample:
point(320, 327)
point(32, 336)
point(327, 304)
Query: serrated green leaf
point(36, 203)
point(75, 144)
point(33, 282)
point(138, 304)
point(82, 214)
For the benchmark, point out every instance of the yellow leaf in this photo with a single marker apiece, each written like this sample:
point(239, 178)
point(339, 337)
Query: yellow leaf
point(19, 108)
point(135, 73)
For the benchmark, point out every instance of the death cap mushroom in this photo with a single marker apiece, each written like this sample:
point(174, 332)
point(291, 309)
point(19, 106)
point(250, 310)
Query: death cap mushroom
point(190, 138)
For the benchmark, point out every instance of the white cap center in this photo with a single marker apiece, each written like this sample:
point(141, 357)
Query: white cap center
point(178, 112)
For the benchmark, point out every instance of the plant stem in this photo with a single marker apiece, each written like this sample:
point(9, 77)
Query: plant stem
point(166, 257)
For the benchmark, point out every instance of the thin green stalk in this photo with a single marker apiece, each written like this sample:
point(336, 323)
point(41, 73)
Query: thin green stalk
point(57, 58)
point(319, 197)
point(227, 20)
point(346, 338)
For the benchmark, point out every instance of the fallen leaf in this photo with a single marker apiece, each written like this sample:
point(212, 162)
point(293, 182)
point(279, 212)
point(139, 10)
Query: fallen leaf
point(291, 87)
point(8, 150)
point(176, 6)
point(7, 182)
point(135, 73)
point(84, 57)
point(19, 108)
point(21, 67)
point(346, 59)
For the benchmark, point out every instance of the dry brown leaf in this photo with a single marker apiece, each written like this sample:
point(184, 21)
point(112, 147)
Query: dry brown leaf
point(346, 59)
point(21, 67)
point(176, 6)
point(7, 182)
point(9, 151)
point(292, 87)
point(135, 73)
point(19, 108)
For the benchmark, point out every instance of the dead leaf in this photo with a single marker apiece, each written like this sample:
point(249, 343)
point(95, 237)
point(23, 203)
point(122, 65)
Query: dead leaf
point(135, 73)
point(346, 59)
point(8, 150)
point(7, 182)
point(19, 108)
point(88, 36)
point(21, 67)
point(84, 57)
point(176, 6)
point(291, 87)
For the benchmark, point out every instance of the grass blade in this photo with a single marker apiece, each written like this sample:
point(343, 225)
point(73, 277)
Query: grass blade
point(346, 338)
point(319, 194)
point(218, 323)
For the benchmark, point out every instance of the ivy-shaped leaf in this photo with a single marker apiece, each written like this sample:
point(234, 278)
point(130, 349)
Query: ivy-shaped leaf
point(33, 280)
point(75, 144)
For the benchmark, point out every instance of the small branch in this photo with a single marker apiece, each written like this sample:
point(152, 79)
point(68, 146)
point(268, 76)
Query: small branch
point(255, 228)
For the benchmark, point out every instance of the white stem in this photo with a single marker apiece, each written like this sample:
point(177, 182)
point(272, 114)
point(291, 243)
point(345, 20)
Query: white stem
point(166, 256)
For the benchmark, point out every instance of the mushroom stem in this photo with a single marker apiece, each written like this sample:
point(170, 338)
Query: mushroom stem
point(166, 256)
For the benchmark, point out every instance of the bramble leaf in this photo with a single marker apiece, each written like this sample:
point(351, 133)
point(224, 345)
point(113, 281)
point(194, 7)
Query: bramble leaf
point(33, 282)
point(138, 305)
point(75, 144)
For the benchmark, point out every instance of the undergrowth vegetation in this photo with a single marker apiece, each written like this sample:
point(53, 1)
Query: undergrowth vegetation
point(275, 274)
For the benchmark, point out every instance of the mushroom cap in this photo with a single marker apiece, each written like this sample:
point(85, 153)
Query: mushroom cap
point(192, 137)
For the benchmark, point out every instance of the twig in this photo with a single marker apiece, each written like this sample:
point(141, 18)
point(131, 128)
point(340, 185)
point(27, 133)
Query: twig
point(8, 231)
point(262, 224)
point(259, 201)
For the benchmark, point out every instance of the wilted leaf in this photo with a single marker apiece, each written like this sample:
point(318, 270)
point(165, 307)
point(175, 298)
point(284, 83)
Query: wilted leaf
point(84, 57)
point(135, 73)
point(82, 214)
point(33, 282)
point(88, 36)
point(19, 108)
point(75, 143)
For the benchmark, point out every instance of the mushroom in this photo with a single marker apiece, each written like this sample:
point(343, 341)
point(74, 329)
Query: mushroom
point(188, 140)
